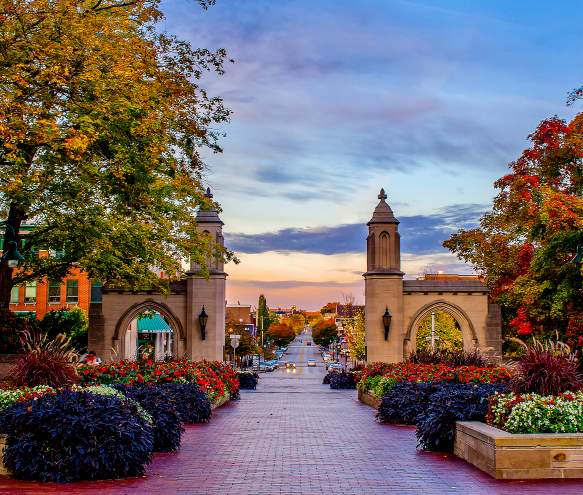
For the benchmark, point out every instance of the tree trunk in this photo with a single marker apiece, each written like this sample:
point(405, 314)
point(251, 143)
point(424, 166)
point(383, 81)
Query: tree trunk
point(14, 220)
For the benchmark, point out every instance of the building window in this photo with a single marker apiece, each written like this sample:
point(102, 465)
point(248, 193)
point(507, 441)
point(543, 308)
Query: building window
point(72, 291)
point(57, 253)
point(30, 292)
point(96, 296)
point(14, 295)
point(54, 291)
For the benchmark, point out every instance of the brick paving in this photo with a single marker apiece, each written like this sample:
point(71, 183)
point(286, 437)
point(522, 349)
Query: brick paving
point(296, 436)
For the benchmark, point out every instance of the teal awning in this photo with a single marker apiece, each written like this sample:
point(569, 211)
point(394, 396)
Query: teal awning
point(153, 324)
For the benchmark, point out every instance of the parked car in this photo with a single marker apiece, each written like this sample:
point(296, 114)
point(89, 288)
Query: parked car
point(334, 367)
point(273, 363)
point(311, 362)
point(264, 367)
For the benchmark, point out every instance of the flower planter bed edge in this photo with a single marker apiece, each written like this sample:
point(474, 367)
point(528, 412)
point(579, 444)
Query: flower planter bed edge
point(369, 399)
point(221, 402)
point(506, 455)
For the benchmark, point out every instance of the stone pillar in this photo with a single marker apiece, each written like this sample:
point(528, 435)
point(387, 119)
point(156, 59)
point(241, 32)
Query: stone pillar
point(493, 343)
point(209, 293)
point(96, 339)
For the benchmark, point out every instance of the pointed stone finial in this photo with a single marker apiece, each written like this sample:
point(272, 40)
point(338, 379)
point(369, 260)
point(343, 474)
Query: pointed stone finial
point(208, 193)
point(383, 212)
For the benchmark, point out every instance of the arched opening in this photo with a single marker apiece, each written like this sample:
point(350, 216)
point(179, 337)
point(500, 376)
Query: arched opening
point(439, 330)
point(462, 322)
point(148, 329)
point(149, 335)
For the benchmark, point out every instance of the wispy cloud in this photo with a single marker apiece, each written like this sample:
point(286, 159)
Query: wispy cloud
point(420, 234)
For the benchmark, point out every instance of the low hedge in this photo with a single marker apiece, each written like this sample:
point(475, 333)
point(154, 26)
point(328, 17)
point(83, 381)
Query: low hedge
point(414, 372)
point(72, 435)
point(166, 421)
point(190, 402)
point(434, 407)
point(405, 402)
point(248, 380)
point(448, 404)
point(342, 380)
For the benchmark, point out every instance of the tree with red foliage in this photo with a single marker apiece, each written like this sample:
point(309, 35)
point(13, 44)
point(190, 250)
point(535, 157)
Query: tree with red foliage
point(523, 246)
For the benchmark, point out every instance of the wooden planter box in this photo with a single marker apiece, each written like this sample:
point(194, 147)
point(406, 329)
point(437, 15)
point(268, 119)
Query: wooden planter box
point(506, 455)
point(369, 399)
point(3, 471)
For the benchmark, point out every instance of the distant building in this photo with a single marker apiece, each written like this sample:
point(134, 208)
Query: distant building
point(241, 314)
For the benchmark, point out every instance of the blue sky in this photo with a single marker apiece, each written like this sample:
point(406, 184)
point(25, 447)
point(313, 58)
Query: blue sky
point(333, 99)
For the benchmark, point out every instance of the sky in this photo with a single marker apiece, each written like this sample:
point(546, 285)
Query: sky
point(334, 99)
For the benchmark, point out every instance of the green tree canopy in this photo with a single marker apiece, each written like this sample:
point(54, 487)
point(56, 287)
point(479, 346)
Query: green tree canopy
point(446, 329)
point(102, 116)
point(355, 334)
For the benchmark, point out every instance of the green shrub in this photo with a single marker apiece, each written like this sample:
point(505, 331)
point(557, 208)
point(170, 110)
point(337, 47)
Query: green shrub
point(383, 386)
point(70, 322)
point(73, 436)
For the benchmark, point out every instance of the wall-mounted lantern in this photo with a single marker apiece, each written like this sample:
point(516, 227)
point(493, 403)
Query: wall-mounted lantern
point(202, 320)
point(387, 322)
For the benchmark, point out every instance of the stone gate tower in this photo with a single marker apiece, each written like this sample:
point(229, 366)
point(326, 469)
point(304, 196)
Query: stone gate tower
point(208, 293)
point(383, 282)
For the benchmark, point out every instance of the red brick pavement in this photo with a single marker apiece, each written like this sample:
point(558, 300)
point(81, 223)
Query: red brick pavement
point(294, 435)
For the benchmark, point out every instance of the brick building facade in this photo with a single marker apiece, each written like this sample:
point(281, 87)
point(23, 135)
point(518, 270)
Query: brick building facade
point(41, 296)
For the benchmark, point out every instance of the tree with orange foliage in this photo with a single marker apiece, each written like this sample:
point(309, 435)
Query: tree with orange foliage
point(324, 332)
point(281, 334)
point(102, 118)
point(523, 246)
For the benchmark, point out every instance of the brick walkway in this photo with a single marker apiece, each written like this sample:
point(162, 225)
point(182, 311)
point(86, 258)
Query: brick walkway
point(294, 435)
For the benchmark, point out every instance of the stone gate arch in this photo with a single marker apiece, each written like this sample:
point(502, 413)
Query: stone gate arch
point(469, 337)
point(464, 297)
point(123, 323)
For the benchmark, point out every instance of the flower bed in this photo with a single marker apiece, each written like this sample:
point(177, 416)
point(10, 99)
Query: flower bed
point(145, 402)
point(379, 378)
point(213, 377)
point(534, 413)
